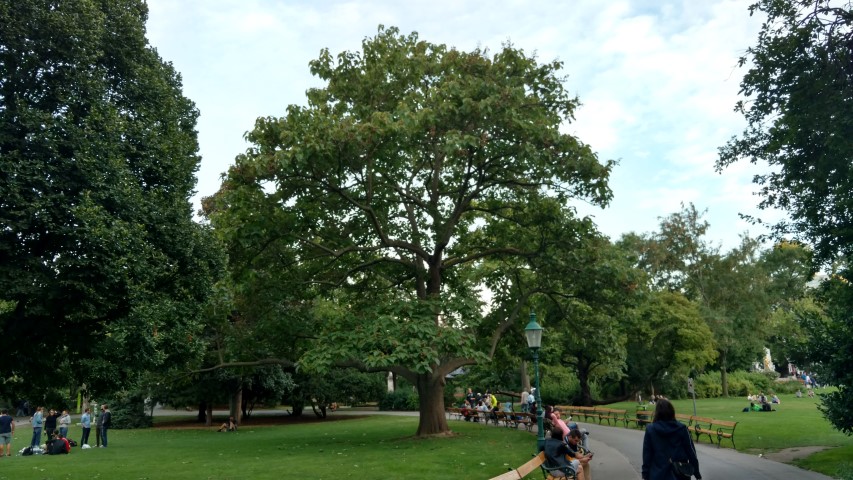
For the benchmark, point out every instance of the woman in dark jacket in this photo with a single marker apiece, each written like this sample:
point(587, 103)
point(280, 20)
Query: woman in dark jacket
point(667, 440)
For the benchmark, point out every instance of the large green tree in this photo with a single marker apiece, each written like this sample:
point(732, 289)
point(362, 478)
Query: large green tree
point(414, 164)
point(99, 256)
point(798, 104)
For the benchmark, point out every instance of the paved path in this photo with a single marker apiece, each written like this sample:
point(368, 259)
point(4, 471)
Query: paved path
point(619, 456)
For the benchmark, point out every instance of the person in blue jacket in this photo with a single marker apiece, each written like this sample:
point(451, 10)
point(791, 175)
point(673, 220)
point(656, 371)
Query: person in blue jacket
point(667, 441)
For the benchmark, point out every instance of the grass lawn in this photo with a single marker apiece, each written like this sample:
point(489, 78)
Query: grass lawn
point(383, 447)
point(371, 447)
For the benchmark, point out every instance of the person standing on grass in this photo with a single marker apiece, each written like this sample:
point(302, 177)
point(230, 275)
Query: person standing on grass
point(86, 423)
point(64, 423)
point(38, 423)
point(50, 423)
point(666, 442)
point(7, 430)
point(106, 422)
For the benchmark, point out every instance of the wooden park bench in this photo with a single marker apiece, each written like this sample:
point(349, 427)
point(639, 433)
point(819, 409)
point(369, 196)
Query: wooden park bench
point(641, 418)
point(577, 412)
point(617, 415)
point(713, 428)
point(453, 412)
point(685, 419)
point(536, 462)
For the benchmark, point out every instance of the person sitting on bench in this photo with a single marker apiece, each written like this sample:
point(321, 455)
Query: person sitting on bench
point(559, 459)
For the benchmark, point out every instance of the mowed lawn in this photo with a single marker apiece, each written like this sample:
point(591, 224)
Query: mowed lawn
point(364, 448)
point(383, 447)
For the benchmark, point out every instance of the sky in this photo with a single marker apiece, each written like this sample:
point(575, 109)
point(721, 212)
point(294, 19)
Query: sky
point(658, 81)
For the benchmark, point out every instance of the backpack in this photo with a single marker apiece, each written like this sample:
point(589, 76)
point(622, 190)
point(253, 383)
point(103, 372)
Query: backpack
point(27, 451)
point(72, 443)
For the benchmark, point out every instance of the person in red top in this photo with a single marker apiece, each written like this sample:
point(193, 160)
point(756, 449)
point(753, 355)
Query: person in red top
point(58, 445)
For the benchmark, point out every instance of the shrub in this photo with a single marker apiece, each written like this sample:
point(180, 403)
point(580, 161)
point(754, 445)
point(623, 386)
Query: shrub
point(403, 399)
point(708, 385)
point(128, 411)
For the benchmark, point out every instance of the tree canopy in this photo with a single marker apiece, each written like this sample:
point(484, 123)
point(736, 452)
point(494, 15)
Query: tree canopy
point(101, 266)
point(798, 104)
point(414, 165)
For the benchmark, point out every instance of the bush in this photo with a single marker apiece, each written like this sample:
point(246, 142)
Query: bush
point(404, 400)
point(128, 411)
point(560, 386)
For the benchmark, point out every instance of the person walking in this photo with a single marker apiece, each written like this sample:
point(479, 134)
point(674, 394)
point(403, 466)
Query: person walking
point(86, 424)
point(99, 418)
point(105, 423)
point(7, 430)
point(668, 451)
point(38, 423)
point(64, 423)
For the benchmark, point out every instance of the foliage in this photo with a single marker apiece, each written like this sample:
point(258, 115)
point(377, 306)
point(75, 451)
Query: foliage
point(799, 109)
point(667, 342)
point(560, 385)
point(373, 205)
point(741, 384)
point(128, 410)
point(99, 253)
point(798, 103)
point(403, 399)
point(828, 346)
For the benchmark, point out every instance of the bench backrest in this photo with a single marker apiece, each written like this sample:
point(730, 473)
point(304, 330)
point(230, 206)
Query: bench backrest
point(707, 420)
point(684, 418)
point(724, 423)
point(531, 465)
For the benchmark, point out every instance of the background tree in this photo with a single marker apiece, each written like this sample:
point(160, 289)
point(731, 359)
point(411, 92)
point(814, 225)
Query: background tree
point(798, 103)
point(412, 164)
point(98, 250)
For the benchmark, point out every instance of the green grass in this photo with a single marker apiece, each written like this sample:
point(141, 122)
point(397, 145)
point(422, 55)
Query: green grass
point(373, 447)
point(383, 447)
point(795, 423)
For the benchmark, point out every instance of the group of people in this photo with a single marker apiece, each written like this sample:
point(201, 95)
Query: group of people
point(668, 450)
point(760, 402)
point(48, 424)
point(567, 451)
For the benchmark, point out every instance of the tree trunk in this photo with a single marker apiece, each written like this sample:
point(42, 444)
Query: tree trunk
point(236, 402)
point(202, 412)
point(209, 421)
point(431, 394)
point(583, 379)
point(525, 377)
point(724, 376)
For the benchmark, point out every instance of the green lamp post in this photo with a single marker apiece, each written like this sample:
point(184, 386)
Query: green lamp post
point(533, 332)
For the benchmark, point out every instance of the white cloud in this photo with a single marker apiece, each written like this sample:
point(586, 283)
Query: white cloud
point(657, 79)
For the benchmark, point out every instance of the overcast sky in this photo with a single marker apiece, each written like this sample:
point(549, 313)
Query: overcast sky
point(658, 81)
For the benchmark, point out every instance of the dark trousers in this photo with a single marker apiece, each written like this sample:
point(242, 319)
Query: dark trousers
point(85, 439)
point(104, 429)
point(98, 436)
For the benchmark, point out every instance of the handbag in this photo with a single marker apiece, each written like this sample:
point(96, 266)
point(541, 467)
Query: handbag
point(682, 470)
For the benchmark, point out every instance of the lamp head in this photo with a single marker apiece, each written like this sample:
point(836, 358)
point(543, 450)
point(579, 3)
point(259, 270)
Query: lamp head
point(533, 332)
